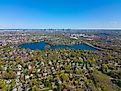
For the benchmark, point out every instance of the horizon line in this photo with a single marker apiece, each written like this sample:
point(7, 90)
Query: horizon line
point(60, 29)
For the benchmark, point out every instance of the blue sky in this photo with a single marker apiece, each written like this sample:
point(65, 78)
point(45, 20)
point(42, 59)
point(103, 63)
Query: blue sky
point(60, 14)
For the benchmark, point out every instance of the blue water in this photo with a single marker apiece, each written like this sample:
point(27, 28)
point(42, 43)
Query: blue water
point(103, 34)
point(41, 46)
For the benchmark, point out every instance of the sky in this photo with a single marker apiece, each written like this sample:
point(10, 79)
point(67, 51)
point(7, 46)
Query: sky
point(61, 14)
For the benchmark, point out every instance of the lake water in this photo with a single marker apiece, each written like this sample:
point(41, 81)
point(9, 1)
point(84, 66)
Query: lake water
point(103, 34)
point(41, 46)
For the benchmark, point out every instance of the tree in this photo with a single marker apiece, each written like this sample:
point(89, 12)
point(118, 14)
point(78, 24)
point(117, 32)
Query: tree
point(104, 68)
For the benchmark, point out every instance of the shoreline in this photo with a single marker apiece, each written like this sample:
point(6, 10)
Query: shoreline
point(93, 46)
point(96, 48)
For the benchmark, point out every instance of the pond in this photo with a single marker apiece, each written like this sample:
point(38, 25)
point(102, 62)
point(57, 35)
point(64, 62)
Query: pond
point(42, 45)
point(103, 34)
